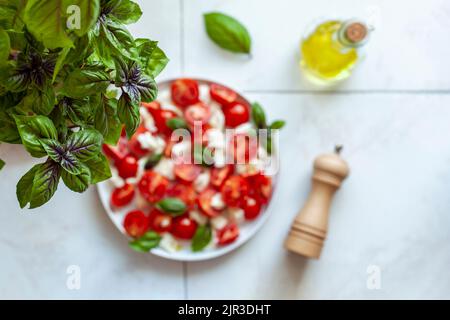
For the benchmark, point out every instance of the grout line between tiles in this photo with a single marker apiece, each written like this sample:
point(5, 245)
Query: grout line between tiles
point(349, 92)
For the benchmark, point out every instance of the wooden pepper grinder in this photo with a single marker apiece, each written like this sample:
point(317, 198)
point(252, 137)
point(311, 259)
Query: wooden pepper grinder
point(309, 230)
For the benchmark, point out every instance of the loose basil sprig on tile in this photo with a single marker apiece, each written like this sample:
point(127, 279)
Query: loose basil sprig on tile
point(202, 238)
point(227, 32)
point(69, 80)
point(147, 242)
point(260, 122)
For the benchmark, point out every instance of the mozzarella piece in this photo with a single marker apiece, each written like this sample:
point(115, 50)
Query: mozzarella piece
point(198, 217)
point(151, 142)
point(246, 127)
point(169, 243)
point(217, 119)
point(147, 118)
point(165, 168)
point(217, 201)
point(204, 93)
point(216, 138)
point(115, 179)
point(202, 181)
point(219, 158)
point(219, 222)
point(181, 150)
point(171, 107)
point(236, 214)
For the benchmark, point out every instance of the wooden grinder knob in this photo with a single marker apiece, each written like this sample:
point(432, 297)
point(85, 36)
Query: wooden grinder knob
point(309, 230)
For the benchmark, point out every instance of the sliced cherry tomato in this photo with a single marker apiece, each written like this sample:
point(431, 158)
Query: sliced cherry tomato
point(236, 113)
point(151, 106)
point(135, 146)
point(261, 186)
point(204, 203)
point(113, 153)
point(161, 117)
point(184, 92)
point(128, 167)
point(219, 175)
point(234, 190)
point(251, 207)
point(228, 234)
point(153, 186)
point(185, 193)
point(159, 221)
point(183, 227)
point(122, 196)
point(222, 95)
point(197, 113)
point(245, 147)
point(136, 223)
point(187, 172)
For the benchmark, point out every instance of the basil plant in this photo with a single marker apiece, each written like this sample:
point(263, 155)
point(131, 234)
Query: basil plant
point(72, 76)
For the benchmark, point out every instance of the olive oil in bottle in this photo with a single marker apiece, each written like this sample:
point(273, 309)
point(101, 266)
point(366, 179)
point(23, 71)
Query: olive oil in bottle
point(331, 51)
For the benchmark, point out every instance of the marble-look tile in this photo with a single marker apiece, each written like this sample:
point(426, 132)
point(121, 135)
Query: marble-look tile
point(392, 211)
point(161, 21)
point(406, 52)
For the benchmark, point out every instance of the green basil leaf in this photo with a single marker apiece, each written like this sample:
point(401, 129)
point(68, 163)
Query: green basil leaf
point(53, 149)
point(176, 123)
point(71, 164)
point(153, 160)
point(202, 238)
point(42, 101)
point(2, 164)
point(79, 182)
point(114, 41)
point(5, 46)
point(25, 186)
point(127, 12)
point(258, 116)
point(44, 19)
point(45, 183)
point(173, 206)
point(145, 243)
point(151, 57)
point(79, 111)
point(227, 32)
point(128, 114)
point(84, 144)
point(33, 128)
point(60, 61)
point(106, 120)
point(99, 168)
point(85, 82)
point(278, 124)
point(9, 132)
point(82, 20)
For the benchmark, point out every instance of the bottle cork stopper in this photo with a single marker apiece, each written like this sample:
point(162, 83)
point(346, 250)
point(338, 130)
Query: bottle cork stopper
point(309, 229)
point(356, 32)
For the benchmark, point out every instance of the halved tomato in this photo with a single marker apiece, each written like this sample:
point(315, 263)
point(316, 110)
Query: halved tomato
point(204, 203)
point(244, 147)
point(251, 207)
point(135, 146)
point(236, 113)
point(219, 175)
point(222, 95)
point(198, 113)
point(261, 186)
point(161, 117)
point(185, 193)
point(113, 153)
point(184, 92)
point(122, 196)
point(159, 221)
point(128, 167)
point(136, 223)
point(187, 172)
point(153, 186)
point(184, 227)
point(228, 234)
point(234, 190)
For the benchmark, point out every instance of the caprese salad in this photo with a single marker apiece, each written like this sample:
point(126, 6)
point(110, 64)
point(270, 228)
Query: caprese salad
point(182, 178)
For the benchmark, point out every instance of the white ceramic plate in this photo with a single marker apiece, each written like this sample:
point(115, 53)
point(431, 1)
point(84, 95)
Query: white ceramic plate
point(247, 229)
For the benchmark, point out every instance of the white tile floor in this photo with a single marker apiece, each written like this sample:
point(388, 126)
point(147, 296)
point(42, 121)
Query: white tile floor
point(392, 116)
